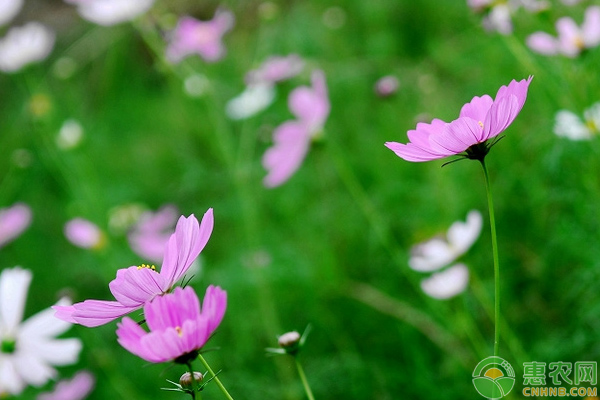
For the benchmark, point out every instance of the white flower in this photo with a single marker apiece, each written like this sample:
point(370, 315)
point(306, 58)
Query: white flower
point(28, 349)
point(438, 252)
point(447, 283)
point(571, 126)
point(69, 135)
point(9, 9)
point(251, 101)
point(110, 12)
point(23, 45)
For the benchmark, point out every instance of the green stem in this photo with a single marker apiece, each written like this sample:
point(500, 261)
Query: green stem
point(214, 376)
point(496, 261)
point(303, 379)
point(193, 391)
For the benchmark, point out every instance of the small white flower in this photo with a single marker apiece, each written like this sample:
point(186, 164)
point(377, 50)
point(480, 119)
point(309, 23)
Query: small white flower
point(9, 9)
point(251, 101)
point(111, 12)
point(24, 45)
point(438, 252)
point(571, 126)
point(29, 349)
point(447, 283)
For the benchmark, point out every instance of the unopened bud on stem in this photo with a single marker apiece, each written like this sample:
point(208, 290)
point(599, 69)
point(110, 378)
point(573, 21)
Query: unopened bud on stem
point(187, 381)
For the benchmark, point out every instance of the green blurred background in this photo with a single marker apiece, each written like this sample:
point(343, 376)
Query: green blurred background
point(330, 247)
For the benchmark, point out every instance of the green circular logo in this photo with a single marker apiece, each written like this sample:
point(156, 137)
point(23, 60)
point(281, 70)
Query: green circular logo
point(493, 378)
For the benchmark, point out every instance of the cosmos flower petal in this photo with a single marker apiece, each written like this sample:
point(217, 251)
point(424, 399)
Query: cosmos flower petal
point(213, 306)
point(291, 141)
point(462, 235)
point(501, 115)
point(13, 221)
point(10, 380)
point(129, 334)
point(92, 313)
point(311, 105)
point(76, 388)
point(172, 310)
point(591, 26)
point(412, 152)
point(185, 245)
point(134, 286)
point(448, 283)
point(543, 43)
point(55, 351)
point(33, 369)
point(45, 324)
point(457, 136)
point(431, 255)
point(477, 108)
point(14, 283)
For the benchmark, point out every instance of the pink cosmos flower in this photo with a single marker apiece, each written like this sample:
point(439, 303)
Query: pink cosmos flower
point(276, 69)
point(83, 233)
point(178, 327)
point(468, 136)
point(136, 285)
point(13, 221)
point(292, 138)
point(150, 234)
point(571, 40)
point(386, 86)
point(76, 388)
point(191, 36)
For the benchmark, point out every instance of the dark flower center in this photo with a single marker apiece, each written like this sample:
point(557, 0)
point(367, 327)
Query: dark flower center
point(187, 357)
point(478, 151)
point(8, 346)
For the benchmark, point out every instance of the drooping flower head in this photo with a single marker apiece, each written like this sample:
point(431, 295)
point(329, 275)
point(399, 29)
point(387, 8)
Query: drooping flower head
point(29, 349)
point(480, 120)
point(572, 39)
point(111, 12)
point(179, 328)
point(204, 38)
point(76, 388)
point(13, 221)
point(291, 139)
point(25, 44)
point(136, 285)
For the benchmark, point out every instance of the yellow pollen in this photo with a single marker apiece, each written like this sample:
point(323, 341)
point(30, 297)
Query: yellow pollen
point(480, 123)
point(579, 43)
point(591, 125)
point(152, 267)
point(179, 331)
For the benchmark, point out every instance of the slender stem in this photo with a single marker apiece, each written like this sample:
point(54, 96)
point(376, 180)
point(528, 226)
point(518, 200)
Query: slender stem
point(193, 391)
point(496, 261)
point(214, 376)
point(303, 379)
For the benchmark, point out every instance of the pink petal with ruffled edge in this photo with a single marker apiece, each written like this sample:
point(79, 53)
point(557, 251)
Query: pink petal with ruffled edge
point(184, 246)
point(213, 306)
point(291, 141)
point(134, 286)
point(92, 313)
point(457, 137)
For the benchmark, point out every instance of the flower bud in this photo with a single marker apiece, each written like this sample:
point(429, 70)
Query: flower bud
point(187, 382)
point(289, 340)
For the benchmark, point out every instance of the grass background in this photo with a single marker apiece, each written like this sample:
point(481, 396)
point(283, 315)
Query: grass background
point(310, 251)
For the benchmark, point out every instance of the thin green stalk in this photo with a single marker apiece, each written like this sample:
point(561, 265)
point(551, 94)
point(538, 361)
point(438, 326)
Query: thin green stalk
point(215, 377)
point(496, 261)
point(193, 392)
point(303, 379)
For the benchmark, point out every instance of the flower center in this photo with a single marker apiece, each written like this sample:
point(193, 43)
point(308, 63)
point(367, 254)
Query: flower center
point(591, 125)
point(480, 124)
point(578, 42)
point(8, 346)
point(179, 331)
point(151, 267)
